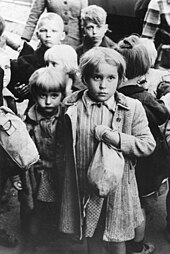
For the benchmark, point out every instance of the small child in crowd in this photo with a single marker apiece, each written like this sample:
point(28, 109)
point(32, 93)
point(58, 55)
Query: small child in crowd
point(94, 24)
point(49, 32)
point(40, 187)
point(4, 39)
point(65, 57)
point(149, 170)
point(97, 114)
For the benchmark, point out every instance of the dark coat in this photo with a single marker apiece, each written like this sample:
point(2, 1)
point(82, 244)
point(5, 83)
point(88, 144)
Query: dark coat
point(86, 45)
point(23, 67)
point(148, 170)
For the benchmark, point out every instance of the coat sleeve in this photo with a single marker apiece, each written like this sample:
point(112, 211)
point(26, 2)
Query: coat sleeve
point(37, 9)
point(139, 142)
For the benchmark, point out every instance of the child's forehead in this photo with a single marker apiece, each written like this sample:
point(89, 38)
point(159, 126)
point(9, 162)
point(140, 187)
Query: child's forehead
point(89, 23)
point(4, 59)
point(104, 65)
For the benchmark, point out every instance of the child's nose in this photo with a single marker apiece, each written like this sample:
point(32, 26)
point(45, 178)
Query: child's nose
point(49, 32)
point(48, 100)
point(94, 30)
point(102, 84)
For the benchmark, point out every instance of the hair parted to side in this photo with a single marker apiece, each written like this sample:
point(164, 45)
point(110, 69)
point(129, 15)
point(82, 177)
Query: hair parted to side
point(2, 25)
point(136, 56)
point(51, 16)
point(93, 57)
point(66, 54)
point(47, 79)
point(95, 14)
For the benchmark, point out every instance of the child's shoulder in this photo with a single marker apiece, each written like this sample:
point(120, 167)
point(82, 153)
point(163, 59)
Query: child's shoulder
point(126, 101)
point(108, 42)
point(73, 98)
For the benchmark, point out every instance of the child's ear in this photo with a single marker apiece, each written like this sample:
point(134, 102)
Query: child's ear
point(63, 35)
point(106, 27)
point(37, 34)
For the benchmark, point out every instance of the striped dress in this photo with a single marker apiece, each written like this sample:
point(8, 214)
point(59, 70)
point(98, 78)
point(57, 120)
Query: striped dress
point(90, 114)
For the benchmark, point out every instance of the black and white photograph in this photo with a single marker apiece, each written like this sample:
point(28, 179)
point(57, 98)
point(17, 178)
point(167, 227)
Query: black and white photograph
point(84, 126)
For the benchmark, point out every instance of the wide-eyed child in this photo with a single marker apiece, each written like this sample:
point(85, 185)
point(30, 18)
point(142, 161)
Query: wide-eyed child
point(101, 114)
point(40, 187)
point(93, 18)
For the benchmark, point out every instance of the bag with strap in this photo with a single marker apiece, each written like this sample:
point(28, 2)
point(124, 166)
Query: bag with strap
point(15, 139)
point(106, 169)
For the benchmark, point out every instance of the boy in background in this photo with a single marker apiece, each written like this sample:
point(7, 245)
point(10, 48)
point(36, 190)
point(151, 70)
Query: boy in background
point(94, 24)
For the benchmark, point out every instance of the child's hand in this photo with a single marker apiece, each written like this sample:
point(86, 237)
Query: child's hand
point(22, 89)
point(17, 185)
point(107, 135)
point(100, 130)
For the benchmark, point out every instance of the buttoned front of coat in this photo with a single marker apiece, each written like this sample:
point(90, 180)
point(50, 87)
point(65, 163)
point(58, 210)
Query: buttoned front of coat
point(69, 10)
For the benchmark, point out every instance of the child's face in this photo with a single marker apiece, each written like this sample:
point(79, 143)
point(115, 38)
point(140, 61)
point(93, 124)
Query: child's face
point(5, 65)
point(103, 82)
point(48, 102)
point(50, 34)
point(95, 32)
point(57, 64)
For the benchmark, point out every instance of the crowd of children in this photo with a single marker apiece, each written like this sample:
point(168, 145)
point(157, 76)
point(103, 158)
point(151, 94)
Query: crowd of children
point(98, 92)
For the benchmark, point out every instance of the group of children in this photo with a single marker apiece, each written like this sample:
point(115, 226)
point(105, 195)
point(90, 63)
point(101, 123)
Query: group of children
point(76, 100)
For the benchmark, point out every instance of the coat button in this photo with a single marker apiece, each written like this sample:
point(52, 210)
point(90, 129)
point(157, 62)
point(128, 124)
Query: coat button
point(118, 119)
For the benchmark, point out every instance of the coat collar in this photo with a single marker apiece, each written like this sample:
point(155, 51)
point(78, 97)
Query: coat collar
point(121, 99)
point(131, 89)
point(34, 117)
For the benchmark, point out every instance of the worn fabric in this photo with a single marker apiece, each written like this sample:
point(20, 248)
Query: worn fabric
point(157, 19)
point(43, 181)
point(69, 10)
point(123, 213)
point(87, 44)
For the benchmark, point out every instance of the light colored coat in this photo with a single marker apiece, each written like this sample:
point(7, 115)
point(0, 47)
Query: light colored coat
point(136, 140)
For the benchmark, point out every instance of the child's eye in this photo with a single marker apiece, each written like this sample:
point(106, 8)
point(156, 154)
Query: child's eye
point(43, 30)
point(54, 31)
point(96, 77)
point(55, 95)
point(110, 78)
point(42, 96)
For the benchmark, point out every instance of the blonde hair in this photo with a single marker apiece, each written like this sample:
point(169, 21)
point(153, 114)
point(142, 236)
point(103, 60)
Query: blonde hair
point(93, 13)
point(51, 16)
point(46, 79)
point(66, 54)
point(93, 57)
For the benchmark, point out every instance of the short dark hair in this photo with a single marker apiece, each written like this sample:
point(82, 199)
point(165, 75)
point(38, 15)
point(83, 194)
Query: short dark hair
point(136, 56)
